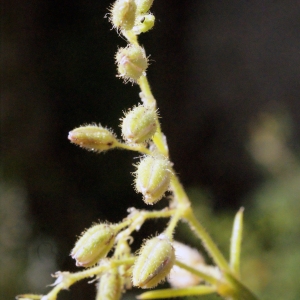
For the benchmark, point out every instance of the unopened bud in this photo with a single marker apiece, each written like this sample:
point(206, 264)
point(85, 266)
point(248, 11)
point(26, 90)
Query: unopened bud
point(132, 62)
point(139, 124)
point(110, 286)
point(93, 137)
point(123, 14)
point(144, 23)
point(153, 177)
point(143, 5)
point(154, 262)
point(93, 245)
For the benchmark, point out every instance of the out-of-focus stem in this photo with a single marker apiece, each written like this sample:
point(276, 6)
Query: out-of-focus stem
point(208, 278)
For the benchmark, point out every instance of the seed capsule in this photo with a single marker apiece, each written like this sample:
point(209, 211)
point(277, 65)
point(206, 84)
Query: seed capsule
point(93, 245)
point(93, 137)
point(132, 62)
point(153, 177)
point(123, 14)
point(110, 286)
point(154, 262)
point(139, 124)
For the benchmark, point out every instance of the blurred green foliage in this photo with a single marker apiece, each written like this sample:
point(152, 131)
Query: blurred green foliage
point(271, 240)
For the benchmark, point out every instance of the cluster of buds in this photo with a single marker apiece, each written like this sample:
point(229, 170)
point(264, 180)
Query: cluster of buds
point(129, 15)
point(132, 17)
point(153, 174)
point(152, 177)
point(155, 261)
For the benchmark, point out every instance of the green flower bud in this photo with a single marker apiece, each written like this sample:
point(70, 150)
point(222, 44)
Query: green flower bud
point(139, 124)
point(123, 14)
point(143, 5)
point(153, 177)
point(110, 286)
point(93, 137)
point(144, 23)
point(155, 260)
point(132, 62)
point(93, 245)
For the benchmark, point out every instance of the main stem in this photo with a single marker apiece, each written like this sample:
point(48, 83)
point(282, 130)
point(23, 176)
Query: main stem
point(182, 202)
point(180, 196)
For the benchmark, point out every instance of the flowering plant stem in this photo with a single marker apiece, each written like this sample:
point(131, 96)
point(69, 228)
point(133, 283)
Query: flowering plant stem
point(155, 175)
point(184, 211)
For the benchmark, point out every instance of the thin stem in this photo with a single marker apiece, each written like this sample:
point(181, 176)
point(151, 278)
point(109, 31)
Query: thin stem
point(206, 277)
point(169, 293)
point(159, 214)
point(148, 98)
point(207, 241)
point(29, 296)
point(134, 147)
point(137, 218)
point(171, 227)
point(66, 279)
point(160, 141)
point(131, 37)
point(179, 193)
point(124, 261)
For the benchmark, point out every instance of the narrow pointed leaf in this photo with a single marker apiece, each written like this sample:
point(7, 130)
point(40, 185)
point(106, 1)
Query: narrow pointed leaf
point(236, 241)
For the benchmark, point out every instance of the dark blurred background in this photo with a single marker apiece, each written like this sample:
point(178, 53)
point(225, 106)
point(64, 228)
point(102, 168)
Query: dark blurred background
point(226, 78)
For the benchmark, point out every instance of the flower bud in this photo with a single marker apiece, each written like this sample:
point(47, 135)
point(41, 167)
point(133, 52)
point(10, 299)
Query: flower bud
point(153, 177)
point(110, 286)
point(132, 62)
point(155, 260)
point(143, 5)
point(123, 14)
point(93, 245)
point(144, 23)
point(139, 124)
point(92, 137)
